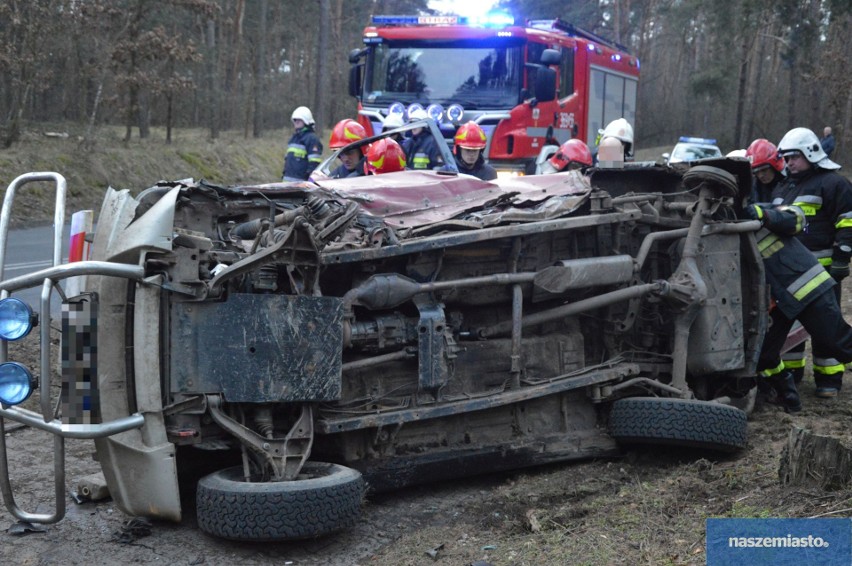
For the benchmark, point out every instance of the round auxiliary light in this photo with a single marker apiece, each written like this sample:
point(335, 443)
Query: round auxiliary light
point(396, 108)
point(16, 383)
point(412, 108)
point(435, 111)
point(16, 319)
point(455, 112)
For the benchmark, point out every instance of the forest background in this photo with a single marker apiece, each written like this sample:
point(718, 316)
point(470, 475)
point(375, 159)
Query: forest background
point(733, 70)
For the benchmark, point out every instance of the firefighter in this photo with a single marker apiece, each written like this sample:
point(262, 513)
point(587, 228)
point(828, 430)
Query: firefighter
point(422, 151)
point(304, 150)
point(392, 122)
point(621, 130)
point(768, 170)
point(384, 156)
point(826, 199)
point(352, 160)
point(802, 289)
point(573, 155)
point(469, 143)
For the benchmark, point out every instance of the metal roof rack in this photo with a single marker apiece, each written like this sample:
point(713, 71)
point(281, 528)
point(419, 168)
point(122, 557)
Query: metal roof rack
point(573, 31)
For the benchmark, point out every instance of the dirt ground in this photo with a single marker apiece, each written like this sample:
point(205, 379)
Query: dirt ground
point(647, 507)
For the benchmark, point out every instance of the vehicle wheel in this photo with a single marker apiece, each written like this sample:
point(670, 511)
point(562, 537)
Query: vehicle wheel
point(323, 499)
point(725, 181)
point(678, 422)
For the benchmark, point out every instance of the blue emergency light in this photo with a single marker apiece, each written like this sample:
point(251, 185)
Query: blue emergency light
point(491, 19)
point(690, 139)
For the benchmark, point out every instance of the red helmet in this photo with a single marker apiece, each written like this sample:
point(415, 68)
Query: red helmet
point(763, 152)
point(345, 132)
point(470, 136)
point(384, 156)
point(572, 151)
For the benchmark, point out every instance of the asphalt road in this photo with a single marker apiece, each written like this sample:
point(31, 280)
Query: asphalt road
point(31, 249)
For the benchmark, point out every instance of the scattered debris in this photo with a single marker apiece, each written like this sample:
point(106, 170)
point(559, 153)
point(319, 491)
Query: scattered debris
point(532, 521)
point(132, 529)
point(23, 528)
point(433, 553)
point(92, 488)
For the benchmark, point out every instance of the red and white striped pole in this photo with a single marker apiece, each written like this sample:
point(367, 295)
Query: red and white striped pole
point(81, 224)
point(78, 248)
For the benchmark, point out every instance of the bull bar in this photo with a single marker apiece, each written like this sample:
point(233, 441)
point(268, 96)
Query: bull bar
point(48, 420)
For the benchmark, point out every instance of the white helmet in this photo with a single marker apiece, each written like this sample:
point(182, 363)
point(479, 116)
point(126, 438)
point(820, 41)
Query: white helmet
point(621, 130)
point(392, 122)
point(417, 114)
point(806, 142)
point(736, 153)
point(303, 113)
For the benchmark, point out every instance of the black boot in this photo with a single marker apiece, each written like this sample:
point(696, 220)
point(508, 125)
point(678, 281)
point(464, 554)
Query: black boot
point(785, 385)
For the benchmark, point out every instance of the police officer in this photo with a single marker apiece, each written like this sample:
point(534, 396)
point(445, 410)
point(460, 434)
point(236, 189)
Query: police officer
point(422, 151)
point(351, 161)
point(469, 143)
point(304, 150)
point(826, 199)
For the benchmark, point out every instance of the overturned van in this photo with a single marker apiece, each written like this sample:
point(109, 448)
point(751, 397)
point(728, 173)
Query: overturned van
point(318, 340)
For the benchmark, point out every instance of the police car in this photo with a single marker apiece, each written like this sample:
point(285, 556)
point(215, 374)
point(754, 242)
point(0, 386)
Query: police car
point(691, 149)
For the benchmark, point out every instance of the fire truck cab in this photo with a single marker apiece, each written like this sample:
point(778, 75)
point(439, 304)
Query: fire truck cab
point(526, 86)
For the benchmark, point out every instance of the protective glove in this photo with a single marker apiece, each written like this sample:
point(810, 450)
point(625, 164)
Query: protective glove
point(755, 212)
point(839, 270)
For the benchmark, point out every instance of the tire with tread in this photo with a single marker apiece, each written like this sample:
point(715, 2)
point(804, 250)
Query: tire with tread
point(725, 181)
point(678, 422)
point(325, 498)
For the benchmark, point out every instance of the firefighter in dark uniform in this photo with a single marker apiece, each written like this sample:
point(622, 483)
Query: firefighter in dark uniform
point(826, 199)
point(468, 145)
point(304, 150)
point(422, 151)
point(803, 290)
point(768, 170)
point(352, 161)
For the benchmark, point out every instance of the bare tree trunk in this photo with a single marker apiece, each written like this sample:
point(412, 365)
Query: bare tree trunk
point(260, 70)
point(741, 94)
point(132, 105)
point(143, 115)
point(322, 66)
point(213, 87)
point(169, 97)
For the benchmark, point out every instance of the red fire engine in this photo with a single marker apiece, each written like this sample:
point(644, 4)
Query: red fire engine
point(525, 86)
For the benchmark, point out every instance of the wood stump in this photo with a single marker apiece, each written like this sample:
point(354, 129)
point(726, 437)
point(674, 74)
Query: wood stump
point(810, 459)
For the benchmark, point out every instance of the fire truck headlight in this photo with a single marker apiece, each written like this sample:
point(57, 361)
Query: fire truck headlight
point(413, 108)
point(435, 111)
point(397, 108)
point(16, 383)
point(16, 319)
point(455, 113)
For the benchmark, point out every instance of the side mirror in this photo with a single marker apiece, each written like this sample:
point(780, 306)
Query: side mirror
point(355, 55)
point(355, 81)
point(550, 57)
point(545, 84)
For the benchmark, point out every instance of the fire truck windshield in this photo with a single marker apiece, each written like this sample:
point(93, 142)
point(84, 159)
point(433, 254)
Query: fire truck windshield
point(476, 76)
